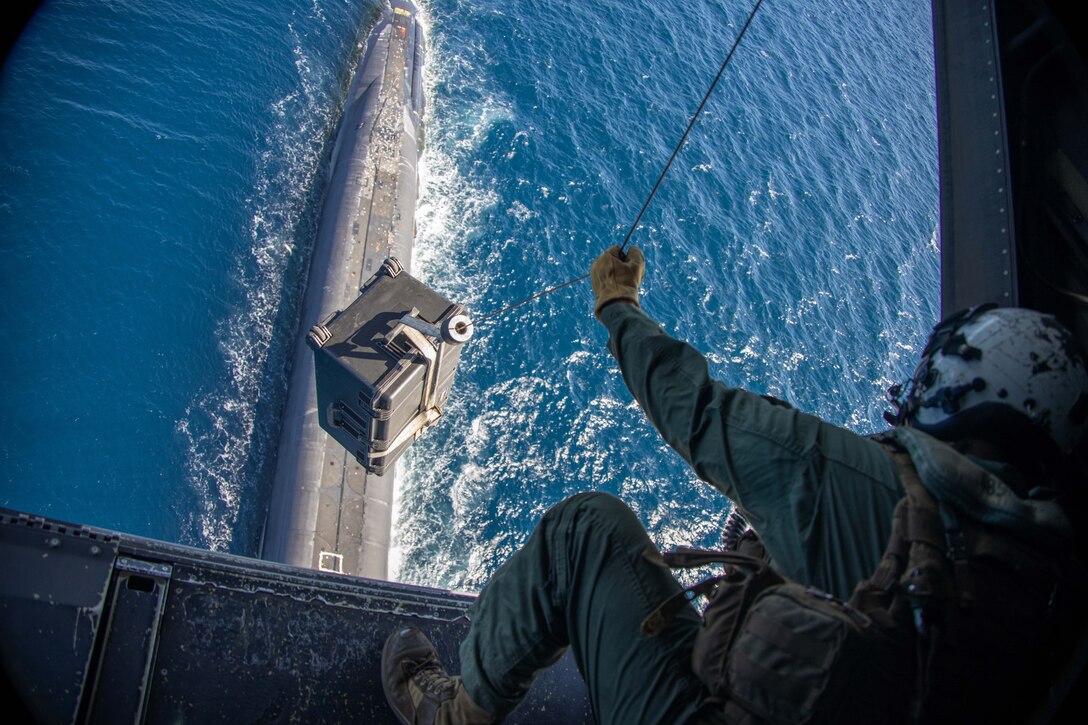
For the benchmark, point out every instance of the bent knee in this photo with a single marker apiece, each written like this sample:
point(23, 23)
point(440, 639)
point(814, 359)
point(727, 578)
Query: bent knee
point(598, 501)
point(595, 507)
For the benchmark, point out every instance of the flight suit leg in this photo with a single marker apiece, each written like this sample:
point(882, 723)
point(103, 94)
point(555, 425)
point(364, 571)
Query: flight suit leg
point(586, 579)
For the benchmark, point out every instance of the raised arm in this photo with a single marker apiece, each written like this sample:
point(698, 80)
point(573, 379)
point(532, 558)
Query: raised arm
point(821, 496)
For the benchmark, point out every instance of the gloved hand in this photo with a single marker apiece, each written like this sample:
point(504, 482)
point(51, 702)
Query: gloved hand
point(616, 279)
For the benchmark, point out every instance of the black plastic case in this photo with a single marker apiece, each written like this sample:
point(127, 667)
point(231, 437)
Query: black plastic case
point(383, 377)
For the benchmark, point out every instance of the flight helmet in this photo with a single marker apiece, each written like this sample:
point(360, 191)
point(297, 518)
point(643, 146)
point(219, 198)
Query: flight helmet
point(1011, 376)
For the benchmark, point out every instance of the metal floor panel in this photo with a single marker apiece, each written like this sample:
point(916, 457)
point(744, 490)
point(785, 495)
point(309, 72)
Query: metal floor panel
point(102, 627)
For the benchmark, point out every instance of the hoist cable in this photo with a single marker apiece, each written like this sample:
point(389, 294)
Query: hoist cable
point(538, 295)
point(661, 178)
point(691, 124)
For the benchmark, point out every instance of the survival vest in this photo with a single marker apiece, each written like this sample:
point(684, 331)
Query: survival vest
point(959, 623)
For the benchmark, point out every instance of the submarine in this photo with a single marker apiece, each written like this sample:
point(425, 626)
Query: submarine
point(102, 626)
point(327, 510)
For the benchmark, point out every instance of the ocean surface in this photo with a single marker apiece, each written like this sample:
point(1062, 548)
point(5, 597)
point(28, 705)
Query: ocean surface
point(161, 173)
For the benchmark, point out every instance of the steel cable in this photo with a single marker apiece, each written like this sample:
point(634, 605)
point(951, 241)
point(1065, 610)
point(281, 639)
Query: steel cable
point(660, 179)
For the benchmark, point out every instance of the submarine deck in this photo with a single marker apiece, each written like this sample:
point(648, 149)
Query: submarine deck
point(327, 512)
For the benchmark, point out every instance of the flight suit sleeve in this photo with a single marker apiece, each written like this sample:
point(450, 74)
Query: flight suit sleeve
point(820, 496)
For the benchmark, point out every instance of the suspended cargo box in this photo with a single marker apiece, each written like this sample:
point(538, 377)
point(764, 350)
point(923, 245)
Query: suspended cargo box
point(385, 365)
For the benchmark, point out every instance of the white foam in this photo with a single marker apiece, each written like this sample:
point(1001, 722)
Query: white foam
point(449, 212)
point(395, 558)
point(225, 442)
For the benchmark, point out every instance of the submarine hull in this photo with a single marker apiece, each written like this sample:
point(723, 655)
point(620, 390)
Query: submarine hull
point(326, 511)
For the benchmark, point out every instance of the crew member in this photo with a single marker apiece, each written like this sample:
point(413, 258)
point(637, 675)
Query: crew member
point(987, 425)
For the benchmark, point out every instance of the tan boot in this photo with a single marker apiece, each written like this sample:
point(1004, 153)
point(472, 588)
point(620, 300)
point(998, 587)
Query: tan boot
point(418, 688)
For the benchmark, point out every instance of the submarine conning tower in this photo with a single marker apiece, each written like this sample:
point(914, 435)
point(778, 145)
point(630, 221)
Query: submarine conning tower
point(327, 510)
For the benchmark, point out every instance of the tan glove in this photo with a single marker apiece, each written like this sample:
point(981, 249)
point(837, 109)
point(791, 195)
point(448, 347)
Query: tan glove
point(616, 279)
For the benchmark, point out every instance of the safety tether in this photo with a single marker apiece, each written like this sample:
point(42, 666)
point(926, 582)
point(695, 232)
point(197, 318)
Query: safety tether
point(657, 185)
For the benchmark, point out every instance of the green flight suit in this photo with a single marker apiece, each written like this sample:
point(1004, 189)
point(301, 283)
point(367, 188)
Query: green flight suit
point(585, 579)
point(589, 573)
point(804, 484)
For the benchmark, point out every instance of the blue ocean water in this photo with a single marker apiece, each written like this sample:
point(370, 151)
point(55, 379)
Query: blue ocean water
point(162, 169)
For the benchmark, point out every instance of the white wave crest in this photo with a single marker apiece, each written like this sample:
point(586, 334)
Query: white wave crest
point(228, 429)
